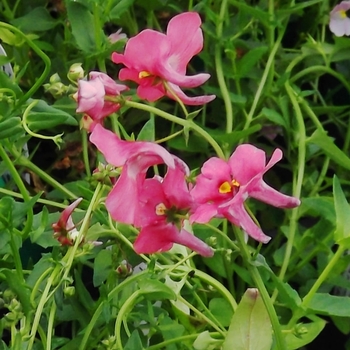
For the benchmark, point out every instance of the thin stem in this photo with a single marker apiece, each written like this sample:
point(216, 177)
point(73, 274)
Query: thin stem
point(186, 123)
point(38, 82)
point(264, 77)
point(85, 145)
point(23, 161)
point(19, 183)
point(299, 181)
point(280, 343)
point(219, 70)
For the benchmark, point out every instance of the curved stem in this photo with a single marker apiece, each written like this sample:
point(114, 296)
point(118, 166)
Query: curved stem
point(280, 343)
point(185, 123)
point(40, 53)
point(19, 183)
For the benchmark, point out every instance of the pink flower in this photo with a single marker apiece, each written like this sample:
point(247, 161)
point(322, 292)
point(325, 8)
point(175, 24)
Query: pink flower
point(163, 204)
point(222, 188)
point(135, 157)
point(92, 96)
point(64, 229)
point(152, 58)
point(340, 19)
point(118, 35)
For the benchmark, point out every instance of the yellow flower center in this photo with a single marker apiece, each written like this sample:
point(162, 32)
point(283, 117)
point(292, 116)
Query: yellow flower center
point(342, 14)
point(226, 187)
point(161, 209)
point(144, 74)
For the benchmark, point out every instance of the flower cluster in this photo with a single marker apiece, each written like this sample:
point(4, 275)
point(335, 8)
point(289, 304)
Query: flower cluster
point(157, 62)
point(160, 207)
point(163, 208)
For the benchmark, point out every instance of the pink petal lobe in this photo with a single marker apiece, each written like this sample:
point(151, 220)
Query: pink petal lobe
point(246, 162)
point(155, 238)
point(264, 193)
point(204, 213)
point(214, 173)
point(194, 243)
point(65, 220)
point(186, 39)
point(239, 217)
point(191, 101)
point(117, 151)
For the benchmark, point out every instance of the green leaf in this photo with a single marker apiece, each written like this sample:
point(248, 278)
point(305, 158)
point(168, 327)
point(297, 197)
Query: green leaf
point(331, 305)
point(19, 288)
point(134, 342)
point(37, 20)
point(205, 342)
point(147, 132)
point(249, 60)
point(43, 116)
point(250, 327)
point(307, 332)
point(342, 212)
point(216, 305)
point(102, 267)
point(232, 138)
point(274, 116)
point(83, 28)
point(155, 290)
point(326, 143)
point(10, 127)
point(119, 9)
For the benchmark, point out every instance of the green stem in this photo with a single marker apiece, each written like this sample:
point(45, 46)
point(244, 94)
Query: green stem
point(254, 273)
point(219, 70)
point(185, 123)
point(263, 80)
point(323, 276)
point(84, 139)
point(300, 175)
point(19, 183)
point(101, 306)
point(128, 304)
point(23, 161)
point(51, 325)
point(39, 82)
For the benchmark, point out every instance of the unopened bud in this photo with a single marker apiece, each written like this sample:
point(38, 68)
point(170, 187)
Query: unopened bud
point(69, 291)
point(75, 72)
point(124, 269)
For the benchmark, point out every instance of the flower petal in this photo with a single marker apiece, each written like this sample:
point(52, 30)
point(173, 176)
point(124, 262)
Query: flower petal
point(237, 214)
point(246, 162)
point(186, 39)
point(155, 238)
point(117, 151)
point(191, 101)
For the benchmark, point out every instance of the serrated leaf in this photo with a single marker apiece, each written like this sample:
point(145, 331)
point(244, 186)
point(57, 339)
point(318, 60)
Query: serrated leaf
point(342, 212)
point(250, 327)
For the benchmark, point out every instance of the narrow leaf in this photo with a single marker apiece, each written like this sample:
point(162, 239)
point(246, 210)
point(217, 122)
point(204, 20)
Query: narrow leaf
point(342, 211)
